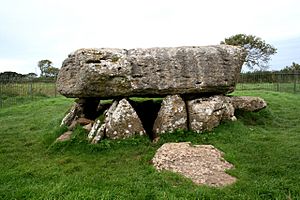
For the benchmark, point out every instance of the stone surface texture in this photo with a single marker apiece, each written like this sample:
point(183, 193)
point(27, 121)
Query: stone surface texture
point(109, 73)
point(72, 115)
point(100, 133)
point(206, 113)
point(94, 129)
point(88, 127)
point(203, 164)
point(122, 121)
point(248, 103)
point(201, 114)
point(171, 116)
point(84, 121)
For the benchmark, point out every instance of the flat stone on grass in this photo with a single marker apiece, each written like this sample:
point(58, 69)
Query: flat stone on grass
point(203, 164)
point(64, 137)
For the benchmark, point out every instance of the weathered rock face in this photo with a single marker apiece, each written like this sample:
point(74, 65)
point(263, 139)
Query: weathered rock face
point(95, 131)
point(248, 103)
point(73, 114)
point(199, 75)
point(82, 109)
point(171, 116)
point(122, 121)
point(206, 113)
point(109, 73)
point(100, 133)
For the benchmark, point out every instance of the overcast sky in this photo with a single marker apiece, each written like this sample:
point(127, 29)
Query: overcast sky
point(32, 30)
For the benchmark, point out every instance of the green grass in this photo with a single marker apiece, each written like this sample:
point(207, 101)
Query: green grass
point(264, 147)
point(292, 87)
point(13, 93)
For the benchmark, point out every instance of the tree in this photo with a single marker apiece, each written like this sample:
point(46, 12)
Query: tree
point(8, 75)
point(293, 68)
point(258, 51)
point(52, 72)
point(44, 65)
point(47, 70)
point(31, 75)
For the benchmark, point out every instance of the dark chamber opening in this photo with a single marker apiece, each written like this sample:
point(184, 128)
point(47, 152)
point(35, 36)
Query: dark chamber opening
point(147, 110)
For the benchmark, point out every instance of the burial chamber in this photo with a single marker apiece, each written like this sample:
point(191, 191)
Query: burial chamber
point(192, 81)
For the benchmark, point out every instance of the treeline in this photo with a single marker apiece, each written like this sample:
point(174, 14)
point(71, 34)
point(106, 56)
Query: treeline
point(294, 68)
point(9, 76)
point(48, 73)
point(287, 74)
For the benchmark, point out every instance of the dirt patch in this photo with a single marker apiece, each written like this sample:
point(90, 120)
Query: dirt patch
point(201, 163)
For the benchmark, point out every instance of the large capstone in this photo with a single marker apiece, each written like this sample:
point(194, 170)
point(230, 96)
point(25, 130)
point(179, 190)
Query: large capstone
point(114, 73)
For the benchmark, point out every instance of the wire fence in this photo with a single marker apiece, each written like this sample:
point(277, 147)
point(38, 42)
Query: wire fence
point(17, 90)
point(280, 82)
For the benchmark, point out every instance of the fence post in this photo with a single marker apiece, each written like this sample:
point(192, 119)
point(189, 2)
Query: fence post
point(31, 92)
point(295, 82)
point(55, 90)
point(277, 82)
point(1, 95)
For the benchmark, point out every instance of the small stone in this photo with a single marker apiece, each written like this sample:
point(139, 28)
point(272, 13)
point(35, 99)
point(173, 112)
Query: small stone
point(88, 127)
point(84, 121)
point(248, 103)
point(73, 125)
point(64, 137)
point(155, 140)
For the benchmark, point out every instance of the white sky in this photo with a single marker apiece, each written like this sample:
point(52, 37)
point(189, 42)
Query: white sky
point(31, 30)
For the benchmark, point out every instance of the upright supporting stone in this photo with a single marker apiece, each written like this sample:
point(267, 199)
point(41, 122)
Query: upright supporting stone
point(122, 121)
point(206, 113)
point(171, 116)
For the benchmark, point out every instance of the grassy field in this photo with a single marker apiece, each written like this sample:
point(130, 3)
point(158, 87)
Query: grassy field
point(278, 87)
point(263, 146)
point(13, 93)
